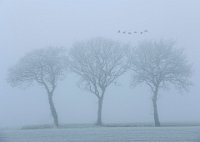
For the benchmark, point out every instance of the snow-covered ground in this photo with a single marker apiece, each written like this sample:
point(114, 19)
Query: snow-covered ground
point(104, 134)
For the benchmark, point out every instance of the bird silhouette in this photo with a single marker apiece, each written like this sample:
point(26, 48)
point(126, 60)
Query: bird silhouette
point(135, 32)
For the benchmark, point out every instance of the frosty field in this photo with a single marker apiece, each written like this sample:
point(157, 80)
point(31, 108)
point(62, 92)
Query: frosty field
point(104, 134)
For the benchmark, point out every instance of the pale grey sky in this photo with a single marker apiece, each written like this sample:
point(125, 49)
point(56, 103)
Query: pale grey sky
point(29, 24)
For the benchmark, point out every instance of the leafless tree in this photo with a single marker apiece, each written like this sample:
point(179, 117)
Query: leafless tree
point(44, 66)
point(159, 64)
point(99, 62)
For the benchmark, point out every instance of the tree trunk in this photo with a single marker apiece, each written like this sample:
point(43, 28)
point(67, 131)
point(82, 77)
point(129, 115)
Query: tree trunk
point(53, 110)
point(99, 113)
point(155, 109)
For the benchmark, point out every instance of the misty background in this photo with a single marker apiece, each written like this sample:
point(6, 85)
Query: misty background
point(27, 25)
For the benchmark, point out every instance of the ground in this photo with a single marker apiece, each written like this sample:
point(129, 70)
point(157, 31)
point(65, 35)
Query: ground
point(104, 134)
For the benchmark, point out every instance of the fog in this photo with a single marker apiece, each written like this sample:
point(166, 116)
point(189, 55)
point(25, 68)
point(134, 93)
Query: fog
point(27, 25)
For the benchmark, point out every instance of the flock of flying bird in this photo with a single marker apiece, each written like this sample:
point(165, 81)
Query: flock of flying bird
point(130, 33)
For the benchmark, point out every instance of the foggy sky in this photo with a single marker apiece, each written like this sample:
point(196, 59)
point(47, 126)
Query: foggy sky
point(29, 24)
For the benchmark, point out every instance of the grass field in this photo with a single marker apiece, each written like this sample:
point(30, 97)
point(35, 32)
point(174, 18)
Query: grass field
point(104, 134)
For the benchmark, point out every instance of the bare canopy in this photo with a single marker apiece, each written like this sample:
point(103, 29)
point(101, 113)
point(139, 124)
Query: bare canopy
point(99, 62)
point(159, 64)
point(45, 67)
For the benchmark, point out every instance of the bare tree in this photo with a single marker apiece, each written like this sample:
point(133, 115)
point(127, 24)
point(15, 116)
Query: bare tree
point(159, 64)
point(99, 62)
point(44, 66)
